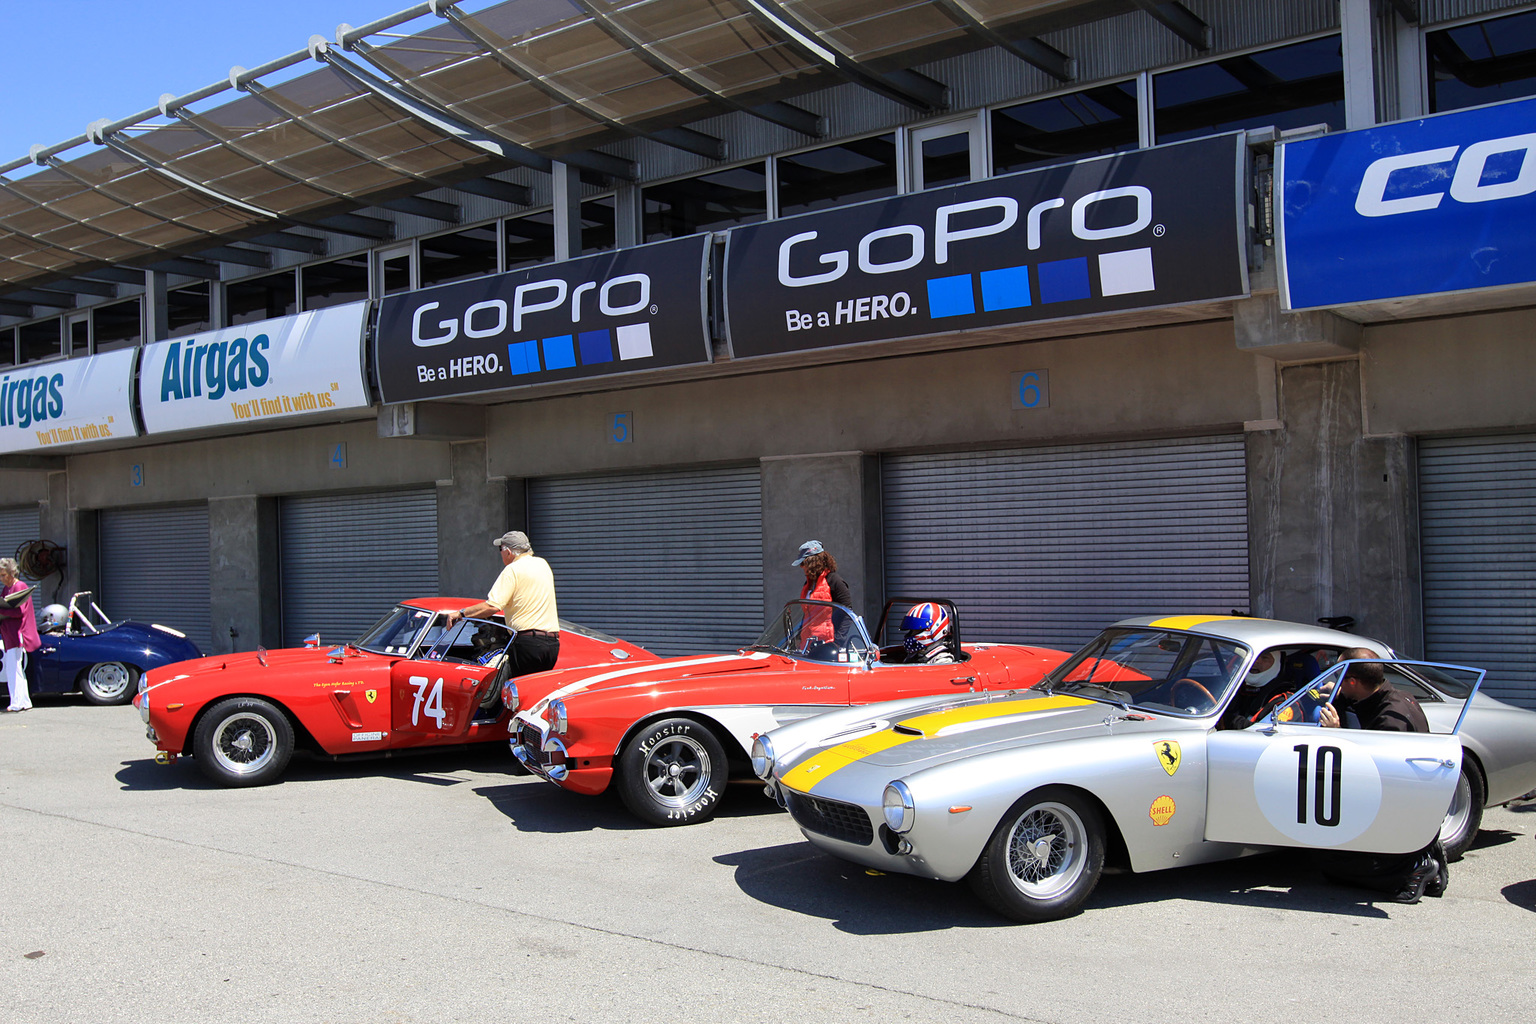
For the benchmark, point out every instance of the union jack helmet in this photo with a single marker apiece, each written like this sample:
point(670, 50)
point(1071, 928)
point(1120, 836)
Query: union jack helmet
point(926, 622)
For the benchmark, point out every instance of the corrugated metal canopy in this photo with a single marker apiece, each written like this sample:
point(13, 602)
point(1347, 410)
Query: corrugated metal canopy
point(516, 84)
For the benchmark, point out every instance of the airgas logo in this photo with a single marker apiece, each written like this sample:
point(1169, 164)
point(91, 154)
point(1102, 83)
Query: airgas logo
point(214, 369)
point(31, 400)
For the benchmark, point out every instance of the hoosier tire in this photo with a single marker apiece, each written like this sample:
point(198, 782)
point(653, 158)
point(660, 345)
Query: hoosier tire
point(243, 741)
point(673, 772)
point(1044, 857)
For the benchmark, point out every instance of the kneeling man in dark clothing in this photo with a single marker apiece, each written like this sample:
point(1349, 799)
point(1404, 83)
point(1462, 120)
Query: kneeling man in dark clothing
point(1365, 691)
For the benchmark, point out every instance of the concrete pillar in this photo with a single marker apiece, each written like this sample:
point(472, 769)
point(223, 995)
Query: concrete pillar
point(83, 551)
point(156, 307)
point(471, 510)
point(566, 182)
point(1332, 514)
point(243, 565)
point(833, 498)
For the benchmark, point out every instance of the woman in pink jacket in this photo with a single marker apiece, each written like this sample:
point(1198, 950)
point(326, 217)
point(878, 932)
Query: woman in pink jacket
point(18, 630)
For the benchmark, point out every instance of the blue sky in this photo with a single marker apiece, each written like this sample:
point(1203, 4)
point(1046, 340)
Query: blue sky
point(69, 62)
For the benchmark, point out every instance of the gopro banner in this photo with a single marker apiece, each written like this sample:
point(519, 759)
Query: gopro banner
point(1154, 227)
point(634, 309)
point(267, 370)
point(1441, 204)
point(49, 405)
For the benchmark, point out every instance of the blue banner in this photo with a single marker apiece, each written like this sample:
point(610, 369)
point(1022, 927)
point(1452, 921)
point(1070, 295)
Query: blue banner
point(1442, 204)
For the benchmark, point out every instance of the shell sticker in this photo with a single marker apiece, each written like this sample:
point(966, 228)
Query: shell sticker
point(1168, 754)
point(1162, 809)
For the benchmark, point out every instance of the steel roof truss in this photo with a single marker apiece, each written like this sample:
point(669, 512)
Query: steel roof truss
point(1181, 21)
point(1031, 50)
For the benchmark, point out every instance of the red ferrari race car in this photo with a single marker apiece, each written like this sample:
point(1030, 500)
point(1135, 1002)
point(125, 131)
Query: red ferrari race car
point(676, 729)
point(408, 682)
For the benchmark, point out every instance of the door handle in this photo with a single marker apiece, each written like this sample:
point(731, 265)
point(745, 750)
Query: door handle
point(48, 650)
point(1443, 762)
point(962, 680)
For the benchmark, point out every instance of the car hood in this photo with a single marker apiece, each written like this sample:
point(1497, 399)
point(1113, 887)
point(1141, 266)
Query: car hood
point(280, 661)
point(570, 682)
point(921, 737)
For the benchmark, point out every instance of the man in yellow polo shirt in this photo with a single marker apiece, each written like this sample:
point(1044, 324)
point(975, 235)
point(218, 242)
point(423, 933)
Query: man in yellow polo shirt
point(525, 594)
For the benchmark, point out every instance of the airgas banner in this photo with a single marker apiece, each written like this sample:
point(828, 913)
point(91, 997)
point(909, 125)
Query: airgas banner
point(257, 372)
point(50, 405)
point(1440, 204)
point(633, 309)
point(1153, 227)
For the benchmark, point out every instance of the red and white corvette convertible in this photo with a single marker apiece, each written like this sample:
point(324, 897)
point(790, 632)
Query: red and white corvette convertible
point(674, 730)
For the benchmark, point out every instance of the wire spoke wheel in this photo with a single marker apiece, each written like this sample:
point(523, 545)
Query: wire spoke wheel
point(244, 743)
point(1045, 850)
point(1044, 857)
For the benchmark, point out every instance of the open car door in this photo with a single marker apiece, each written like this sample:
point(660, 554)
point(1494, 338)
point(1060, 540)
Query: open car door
point(438, 692)
point(1287, 781)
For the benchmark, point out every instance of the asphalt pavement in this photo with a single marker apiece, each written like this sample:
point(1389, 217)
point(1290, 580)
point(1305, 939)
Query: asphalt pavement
point(443, 888)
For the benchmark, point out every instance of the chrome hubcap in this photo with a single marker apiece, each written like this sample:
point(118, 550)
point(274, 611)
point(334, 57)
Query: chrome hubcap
point(244, 743)
point(1046, 850)
point(677, 771)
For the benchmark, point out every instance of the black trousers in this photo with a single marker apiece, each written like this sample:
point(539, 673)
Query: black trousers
point(534, 653)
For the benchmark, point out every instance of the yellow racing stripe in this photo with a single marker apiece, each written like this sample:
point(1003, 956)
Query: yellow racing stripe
point(805, 776)
point(1192, 621)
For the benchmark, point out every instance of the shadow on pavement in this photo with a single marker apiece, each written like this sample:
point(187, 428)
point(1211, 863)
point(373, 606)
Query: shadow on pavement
point(1488, 838)
point(1521, 894)
point(433, 768)
point(799, 878)
point(537, 806)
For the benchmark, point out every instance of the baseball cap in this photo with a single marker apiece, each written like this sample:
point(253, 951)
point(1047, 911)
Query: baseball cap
point(809, 548)
point(516, 540)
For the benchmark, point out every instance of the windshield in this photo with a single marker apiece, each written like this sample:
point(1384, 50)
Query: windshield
point(815, 631)
point(1155, 669)
point(397, 632)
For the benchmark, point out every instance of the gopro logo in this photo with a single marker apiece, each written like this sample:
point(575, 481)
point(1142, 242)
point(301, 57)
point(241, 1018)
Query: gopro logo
point(619, 296)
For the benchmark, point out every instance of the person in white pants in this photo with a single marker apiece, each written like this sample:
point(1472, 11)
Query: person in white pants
point(18, 631)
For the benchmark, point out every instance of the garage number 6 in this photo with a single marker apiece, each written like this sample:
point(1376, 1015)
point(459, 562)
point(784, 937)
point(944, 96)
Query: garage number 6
point(432, 706)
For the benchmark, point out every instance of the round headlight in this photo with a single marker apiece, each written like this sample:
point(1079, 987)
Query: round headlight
point(899, 810)
point(509, 697)
point(762, 757)
point(142, 700)
point(557, 717)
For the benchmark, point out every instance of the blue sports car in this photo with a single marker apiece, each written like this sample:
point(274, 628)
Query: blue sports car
point(83, 650)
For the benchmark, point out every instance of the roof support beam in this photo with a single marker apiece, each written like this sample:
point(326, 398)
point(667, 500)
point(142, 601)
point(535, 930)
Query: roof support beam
point(240, 257)
point(494, 188)
point(783, 114)
point(1408, 10)
point(120, 275)
point(120, 145)
point(430, 113)
point(358, 226)
point(686, 139)
point(1031, 50)
point(40, 297)
point(290, 242)
point(187, 268)
point(82, 287)
point(905, 87)
point(19, 310)
point(1181, 21)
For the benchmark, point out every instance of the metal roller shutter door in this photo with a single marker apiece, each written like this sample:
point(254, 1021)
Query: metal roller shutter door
point(672, 561)
point(17, 527)
point(348, 558)
point(154, 568)
point(1477, 521)
point(1048, 545)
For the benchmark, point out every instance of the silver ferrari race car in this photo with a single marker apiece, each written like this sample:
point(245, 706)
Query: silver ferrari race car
point(1166, 741)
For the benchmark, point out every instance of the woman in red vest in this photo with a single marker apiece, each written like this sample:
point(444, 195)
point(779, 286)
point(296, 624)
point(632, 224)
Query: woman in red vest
point(822, 583)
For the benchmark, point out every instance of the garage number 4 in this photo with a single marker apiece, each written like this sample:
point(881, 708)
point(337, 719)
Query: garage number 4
point(428, 702)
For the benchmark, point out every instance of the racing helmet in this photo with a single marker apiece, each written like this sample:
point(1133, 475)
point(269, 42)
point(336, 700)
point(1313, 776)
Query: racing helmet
point(54, 617)
point(926, 623)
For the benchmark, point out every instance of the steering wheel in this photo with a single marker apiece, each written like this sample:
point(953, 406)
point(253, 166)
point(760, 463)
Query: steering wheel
point(1173, 691)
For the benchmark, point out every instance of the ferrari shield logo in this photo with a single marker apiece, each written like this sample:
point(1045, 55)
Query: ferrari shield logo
point(1168, 754)
point(373, 695)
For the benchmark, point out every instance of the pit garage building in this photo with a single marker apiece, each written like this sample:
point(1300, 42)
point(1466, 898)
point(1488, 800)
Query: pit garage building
point(1065, 310)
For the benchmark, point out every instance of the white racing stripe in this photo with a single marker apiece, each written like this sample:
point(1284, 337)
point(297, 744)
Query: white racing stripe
point(603, 677)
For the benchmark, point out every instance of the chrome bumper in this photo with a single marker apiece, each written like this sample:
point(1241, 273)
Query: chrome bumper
point(540, 752)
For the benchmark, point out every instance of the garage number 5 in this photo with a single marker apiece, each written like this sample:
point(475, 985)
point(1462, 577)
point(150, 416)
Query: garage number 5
point(428, 702)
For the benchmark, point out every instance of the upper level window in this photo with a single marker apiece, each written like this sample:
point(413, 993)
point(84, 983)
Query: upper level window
point(458, 256)
point(41, 340)
point(530, 239)
point(117, 324)
point(599, 218)
point(947, 153)
point(849, 172)
point(261, 298)
point(187, 310)
point(1288, 87)
point(335, 282)
point(7, 346)
point(708, 202)
point(1480, 63)
point(1080, 124)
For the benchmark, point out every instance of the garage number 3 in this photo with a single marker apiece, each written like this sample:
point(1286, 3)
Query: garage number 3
point(1318, 793)
point(428, 702)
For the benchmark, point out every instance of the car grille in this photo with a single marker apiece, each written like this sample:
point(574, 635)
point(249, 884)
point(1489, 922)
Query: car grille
point(836, 820)
point(529, 737)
